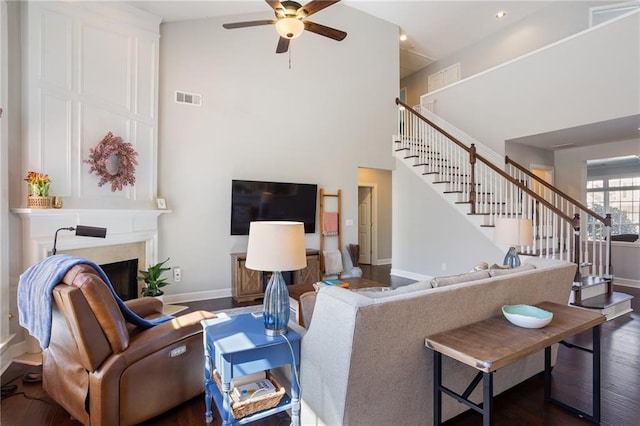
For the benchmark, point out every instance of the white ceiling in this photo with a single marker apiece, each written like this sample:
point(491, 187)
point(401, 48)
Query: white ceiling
point(435, 29)
point(619, 129)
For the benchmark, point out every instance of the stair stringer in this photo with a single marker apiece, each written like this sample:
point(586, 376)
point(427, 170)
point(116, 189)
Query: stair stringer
point(452, 199)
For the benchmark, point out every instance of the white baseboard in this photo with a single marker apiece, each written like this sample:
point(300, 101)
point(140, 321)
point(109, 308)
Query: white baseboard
point(197, 295)
point(625, 282)
point(379, 262)
point(10, 353)
point(409, 275)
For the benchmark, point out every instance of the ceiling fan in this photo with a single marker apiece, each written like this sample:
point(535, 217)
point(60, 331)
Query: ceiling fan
point(291, 21)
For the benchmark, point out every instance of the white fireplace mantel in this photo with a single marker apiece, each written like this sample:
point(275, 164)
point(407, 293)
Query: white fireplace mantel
point(124, 226)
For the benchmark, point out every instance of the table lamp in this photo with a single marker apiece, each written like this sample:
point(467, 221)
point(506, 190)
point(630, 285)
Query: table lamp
point(514, 232)
point(276, 246)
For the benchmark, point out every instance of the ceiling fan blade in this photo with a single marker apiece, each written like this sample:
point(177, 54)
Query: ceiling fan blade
point(277, 7)
point(324, 31)
point(283, 45)
point(249, 24)
point(314, 6)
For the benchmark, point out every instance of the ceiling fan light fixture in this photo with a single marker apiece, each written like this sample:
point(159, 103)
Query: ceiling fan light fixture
point(289, 27)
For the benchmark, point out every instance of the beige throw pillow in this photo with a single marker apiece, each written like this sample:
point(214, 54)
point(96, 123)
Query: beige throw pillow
point(455, 279)
point(479, 267)
point(501, 271)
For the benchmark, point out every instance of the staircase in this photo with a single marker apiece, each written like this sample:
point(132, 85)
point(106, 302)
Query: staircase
point(465, 173)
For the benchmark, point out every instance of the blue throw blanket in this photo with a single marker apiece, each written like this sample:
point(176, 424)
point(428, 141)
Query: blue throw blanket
point(35, 298)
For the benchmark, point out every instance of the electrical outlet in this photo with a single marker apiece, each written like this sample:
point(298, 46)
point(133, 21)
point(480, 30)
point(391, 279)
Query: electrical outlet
point(444, 266)
point(177, 274)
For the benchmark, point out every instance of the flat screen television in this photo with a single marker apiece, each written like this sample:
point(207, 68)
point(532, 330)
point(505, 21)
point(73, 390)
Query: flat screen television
point(255, 200)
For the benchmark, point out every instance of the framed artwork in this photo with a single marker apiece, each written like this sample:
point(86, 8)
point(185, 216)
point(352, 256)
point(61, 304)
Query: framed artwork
point(161, 203)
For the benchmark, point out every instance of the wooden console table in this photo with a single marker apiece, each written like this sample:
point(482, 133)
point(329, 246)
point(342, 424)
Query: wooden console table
point(248, 285)
point(495, 343)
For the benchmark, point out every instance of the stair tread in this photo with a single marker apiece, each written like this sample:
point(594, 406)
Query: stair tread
point(604, 301)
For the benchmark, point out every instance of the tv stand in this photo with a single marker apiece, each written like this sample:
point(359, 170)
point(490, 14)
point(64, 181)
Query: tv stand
point(248, 285)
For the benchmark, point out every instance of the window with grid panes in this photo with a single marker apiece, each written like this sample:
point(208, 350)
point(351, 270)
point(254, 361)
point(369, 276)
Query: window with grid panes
point(618, 195)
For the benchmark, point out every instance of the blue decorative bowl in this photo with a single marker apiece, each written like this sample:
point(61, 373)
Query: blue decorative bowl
point(527, 316)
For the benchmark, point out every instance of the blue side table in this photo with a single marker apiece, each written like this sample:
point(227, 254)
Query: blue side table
point(237, 346)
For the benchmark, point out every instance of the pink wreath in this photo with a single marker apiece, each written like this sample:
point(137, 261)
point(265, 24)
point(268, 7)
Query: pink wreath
point(99, 156)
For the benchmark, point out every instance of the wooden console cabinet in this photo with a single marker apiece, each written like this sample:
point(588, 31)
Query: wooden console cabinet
point(247, 284)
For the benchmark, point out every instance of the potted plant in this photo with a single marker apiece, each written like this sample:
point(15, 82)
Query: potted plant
point(153, 279)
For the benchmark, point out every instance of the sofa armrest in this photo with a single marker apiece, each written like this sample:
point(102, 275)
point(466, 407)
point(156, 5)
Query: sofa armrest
point(145, 306)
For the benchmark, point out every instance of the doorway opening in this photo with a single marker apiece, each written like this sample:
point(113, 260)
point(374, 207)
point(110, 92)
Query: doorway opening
point(365, 224)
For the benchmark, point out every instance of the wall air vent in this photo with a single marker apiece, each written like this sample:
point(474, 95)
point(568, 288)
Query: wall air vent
point(188, 98)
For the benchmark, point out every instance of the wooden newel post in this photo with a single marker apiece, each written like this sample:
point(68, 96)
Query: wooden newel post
point(472, 190)
point(607, 225)
point(575, 223)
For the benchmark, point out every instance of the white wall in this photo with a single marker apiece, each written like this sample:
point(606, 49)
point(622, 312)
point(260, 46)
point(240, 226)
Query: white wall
point(571, 164)
point(4, 187)
point(528, 155)
point(12, 119)
point(588, 78)
point(428, 232)
point(553, 22)
point(313, 123)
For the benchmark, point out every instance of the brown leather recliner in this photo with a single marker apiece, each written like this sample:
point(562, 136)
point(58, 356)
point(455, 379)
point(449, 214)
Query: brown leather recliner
point(104, 371)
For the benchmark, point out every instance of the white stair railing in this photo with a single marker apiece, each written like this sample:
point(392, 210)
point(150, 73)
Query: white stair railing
point(595, 230)
point(560, 230)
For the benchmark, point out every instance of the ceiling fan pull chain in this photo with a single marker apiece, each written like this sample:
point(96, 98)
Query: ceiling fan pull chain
point(290, 57)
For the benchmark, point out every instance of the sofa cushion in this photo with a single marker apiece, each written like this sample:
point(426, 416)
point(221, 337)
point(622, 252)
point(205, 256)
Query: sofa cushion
point(380, 292)
point(461, 278)
point(498, 272)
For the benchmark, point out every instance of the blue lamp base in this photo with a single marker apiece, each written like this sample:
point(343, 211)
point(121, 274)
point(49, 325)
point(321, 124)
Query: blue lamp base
point(276, 306)
point(511, 259)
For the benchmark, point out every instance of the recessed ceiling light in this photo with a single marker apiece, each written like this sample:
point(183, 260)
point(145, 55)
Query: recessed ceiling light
point(403, 37)
point(501, 14)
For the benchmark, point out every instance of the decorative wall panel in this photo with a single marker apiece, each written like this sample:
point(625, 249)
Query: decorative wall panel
point(105, 66)
point(55, 55)
point(92, 69)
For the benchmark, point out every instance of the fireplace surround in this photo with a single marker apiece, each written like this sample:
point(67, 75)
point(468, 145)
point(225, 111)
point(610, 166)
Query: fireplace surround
point(131, 234)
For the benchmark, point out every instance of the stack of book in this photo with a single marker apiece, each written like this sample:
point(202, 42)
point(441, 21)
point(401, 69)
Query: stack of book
point(330, 283)
point(253, 389)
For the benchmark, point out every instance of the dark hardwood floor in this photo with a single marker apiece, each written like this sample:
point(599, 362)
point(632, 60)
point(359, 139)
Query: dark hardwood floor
point(521, 405)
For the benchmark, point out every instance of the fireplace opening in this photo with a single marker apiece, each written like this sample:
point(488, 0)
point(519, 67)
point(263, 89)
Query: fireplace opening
point(123, 277)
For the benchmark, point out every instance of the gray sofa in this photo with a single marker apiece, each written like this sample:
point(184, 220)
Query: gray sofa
point(363, 357)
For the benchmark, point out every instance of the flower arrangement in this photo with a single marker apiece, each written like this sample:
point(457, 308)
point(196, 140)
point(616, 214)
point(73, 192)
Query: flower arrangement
point(101, 159)
point(38, 184)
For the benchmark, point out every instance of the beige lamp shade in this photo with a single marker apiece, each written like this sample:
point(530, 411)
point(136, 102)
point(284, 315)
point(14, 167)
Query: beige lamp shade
point(513, 231)
point(276, 246)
